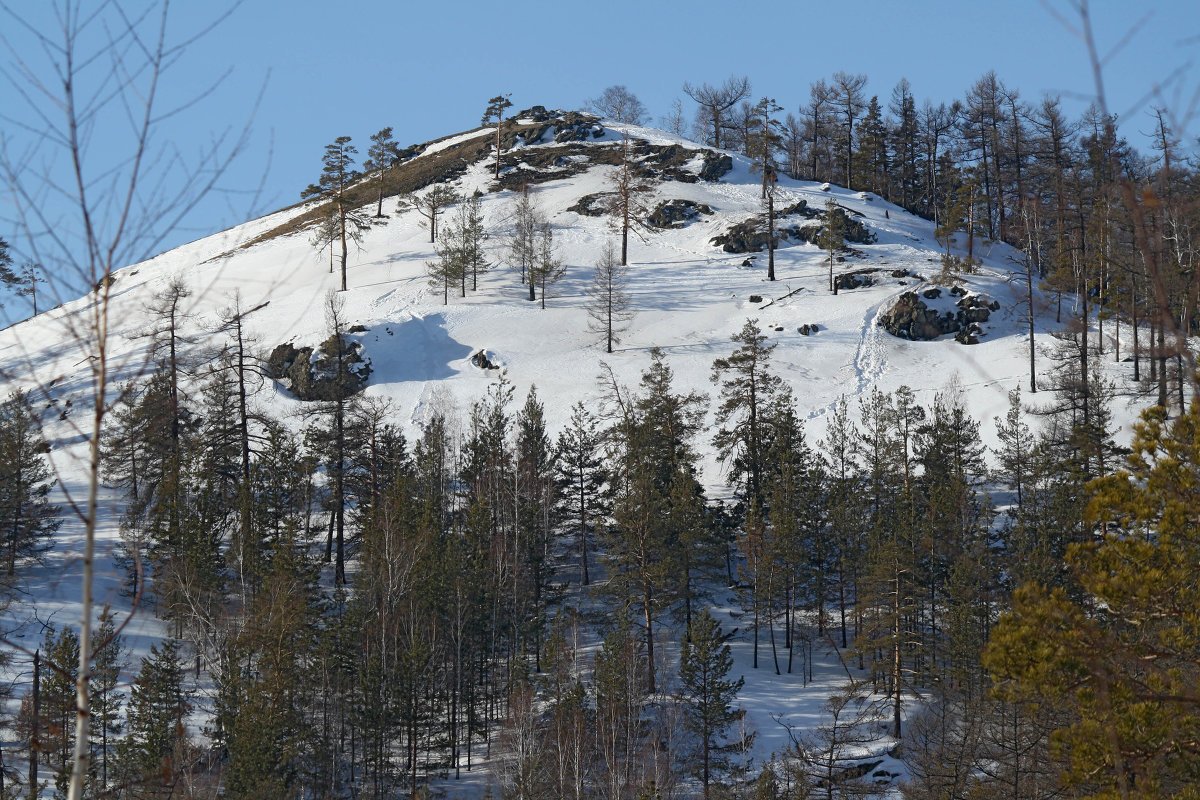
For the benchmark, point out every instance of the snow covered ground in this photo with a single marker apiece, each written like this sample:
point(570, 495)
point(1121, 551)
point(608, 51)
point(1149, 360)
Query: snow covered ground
point(689, 298)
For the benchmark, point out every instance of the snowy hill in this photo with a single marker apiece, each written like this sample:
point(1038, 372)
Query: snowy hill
point(689, 297)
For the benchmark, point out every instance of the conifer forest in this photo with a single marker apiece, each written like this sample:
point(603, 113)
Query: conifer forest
point(711, 567)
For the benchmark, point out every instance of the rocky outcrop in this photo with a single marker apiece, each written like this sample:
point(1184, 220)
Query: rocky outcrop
point(675, 213)
point(854, 280)
point(316, 375)
point(591, 205)
point(750, 235)
point(482, 360)
point(912, 318)
point(715, 166)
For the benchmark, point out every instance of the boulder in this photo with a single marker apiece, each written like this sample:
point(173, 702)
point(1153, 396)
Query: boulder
point(854, 280)
point(910, 318)
point(677, 213)
point(482, 361)
point(591, 205)
point(312, 375)
point(715, 166)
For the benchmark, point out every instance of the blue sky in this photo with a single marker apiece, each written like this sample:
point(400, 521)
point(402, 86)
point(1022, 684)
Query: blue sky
point(297, 74)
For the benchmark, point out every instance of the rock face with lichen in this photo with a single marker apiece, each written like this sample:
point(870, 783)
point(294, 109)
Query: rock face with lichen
point(912, 318)
point(315, 375)
point(750, 235)
point(677, 213)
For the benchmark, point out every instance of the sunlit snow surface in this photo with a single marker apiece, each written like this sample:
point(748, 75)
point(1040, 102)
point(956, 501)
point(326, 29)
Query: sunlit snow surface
point(689, 298)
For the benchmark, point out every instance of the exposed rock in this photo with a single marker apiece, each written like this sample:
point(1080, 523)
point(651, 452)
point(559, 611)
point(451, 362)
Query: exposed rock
point(756, 298)
point(677, 213)
point(800, 208)
point(482, 360)
point(808, 329)
point(854, 280)
point(750, 235)
point(932, 293)
point(911, 318)
point(715, 166)
point(591, 205)
point(310, 375)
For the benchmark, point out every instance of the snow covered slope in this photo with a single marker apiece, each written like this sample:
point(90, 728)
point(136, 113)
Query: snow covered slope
point(689, 297)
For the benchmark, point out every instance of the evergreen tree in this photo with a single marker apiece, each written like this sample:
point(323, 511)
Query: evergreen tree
point(27, 516)
point(846, 100)
point(153, 754)
point(495, 111)
point(1121, 657)
point(54, 724)
point(832, 236)
point(547, 268)
point(871, 156)
point(748, 388)
point(620, 698)
point(430, 206)
point(523, 238)
point(107, 698)
point(469, 234)
point(653, 470)
point(382, 155)
point(449, 268)
point(582, 476)
point(708, 695)
point(344, 222)
point(266, 687)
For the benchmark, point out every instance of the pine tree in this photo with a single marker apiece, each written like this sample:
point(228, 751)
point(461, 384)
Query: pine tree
point(266, 687)
point(762, 143)
point(337, 175)
point(107, 698)
point(495, 111)
point(1121, 656)
point(470, 234)
point(832, 236)
point(154, 751)
point(27, 517)
point(547, 268)
point(429, 205)
point(54, 724)
point(582, 476)
point(449, 268)
point(620, 697)
point(747, 389)
point(523, 238)
point(708, 695)
point(653, 468)
point(382, 155)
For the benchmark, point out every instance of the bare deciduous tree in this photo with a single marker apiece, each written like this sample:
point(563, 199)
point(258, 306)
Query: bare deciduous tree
point(714, 101)
point(618, 104)
point(608, 298)
point(100, 71)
